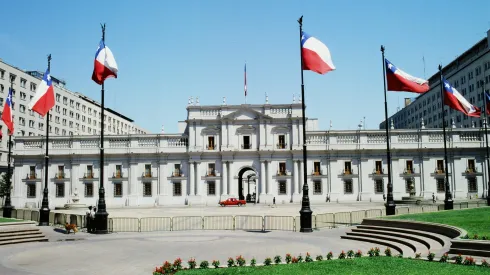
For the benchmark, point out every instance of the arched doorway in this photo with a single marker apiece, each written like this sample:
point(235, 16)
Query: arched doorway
point(247, 184)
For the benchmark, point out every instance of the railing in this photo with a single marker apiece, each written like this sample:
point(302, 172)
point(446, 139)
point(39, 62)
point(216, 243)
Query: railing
point(247, 146)
point(409, 171)
point(210, 147)
point(147, 175)
point(471, 170)
point(31, 176)
point(282, 173)
point(378, 172)
point(211, 173)
point(117, 175)
point(89, 175)
point(282, 145)
point(177, 174)
point(230, 222)
point(439, 171)
point(60, 175)
point(317, 173)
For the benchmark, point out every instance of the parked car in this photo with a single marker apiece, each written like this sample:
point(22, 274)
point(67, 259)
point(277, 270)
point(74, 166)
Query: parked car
point(232, 201)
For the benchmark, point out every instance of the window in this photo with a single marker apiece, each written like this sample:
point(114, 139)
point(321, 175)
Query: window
point(90, 172)
point(316, 168)
point(177, 170)
point(89, 190)
point(211, 188)
point(118, 189)
point(472, 185)
point(71, 102)
point(246, 142)
point(348, 186)
point(440, 186)
point(32, 172)
point(147, 189)
point(379, 167)
point(2, 74)
point(61, 172)
point(211, 171)
point(282, 169)
point(282, 188)
point(440, 166)
point(31, 190)
point(147, 171)
point(347, 168)
point(378, 186)
point(58, 98)
point(60, 190)
point(118, 171)
point(409, 167)
point(177, 189)
point(78, 107)
point(471, 166)
point(282, 142)
point(23, 96)
point(409, 185)
point(65, 100)
point(64, 111)
point(210, 143)
point(317, 187)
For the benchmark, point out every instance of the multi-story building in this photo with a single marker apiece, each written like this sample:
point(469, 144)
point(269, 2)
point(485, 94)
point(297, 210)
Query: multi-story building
point(252, 152)
point(73, 114)
point(469, 73)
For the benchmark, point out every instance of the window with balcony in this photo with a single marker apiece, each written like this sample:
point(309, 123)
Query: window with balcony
point(89, 190)
point(471, 166)
point(409, 184)
point(348, 188)
point(281, 142)
point(147, 189)
point(31, 190)
point(60, 190)
point(316, 168)
point(147, 171)
point(282, 187)
point(177, 170)
point(90, 172)
point(118, 173)
point(61, 172)
point(118, 192)
point(211, 170)
point(347, 168)
point(378, 167)
point(210, 143)
point(317, 187)
point(32, 172)
point(441, 188)
point(211, 188)
point(440, 166)
point(378, 186)
point(177, 189)
point(409, 167)
point(246, 142)
point(472, 185)
point(282, 169)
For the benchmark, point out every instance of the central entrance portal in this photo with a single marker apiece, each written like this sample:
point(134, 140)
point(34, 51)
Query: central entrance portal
point(247, 184)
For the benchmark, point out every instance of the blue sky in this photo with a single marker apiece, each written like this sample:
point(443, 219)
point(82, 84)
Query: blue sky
point(168, 51)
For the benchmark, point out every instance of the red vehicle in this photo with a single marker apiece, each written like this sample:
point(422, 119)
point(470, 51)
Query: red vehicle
point(232, 201)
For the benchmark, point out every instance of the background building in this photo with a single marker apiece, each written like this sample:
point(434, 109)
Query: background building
point(469, 74)
point(73, 114)
point(252, 152)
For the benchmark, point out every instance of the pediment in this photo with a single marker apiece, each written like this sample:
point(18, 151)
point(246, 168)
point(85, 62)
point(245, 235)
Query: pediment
point(280, 130)
point(210, 130)
point(246, 114)
point(245, 129)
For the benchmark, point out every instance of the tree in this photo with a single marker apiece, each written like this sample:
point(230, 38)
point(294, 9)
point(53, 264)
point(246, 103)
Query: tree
point(4, 185)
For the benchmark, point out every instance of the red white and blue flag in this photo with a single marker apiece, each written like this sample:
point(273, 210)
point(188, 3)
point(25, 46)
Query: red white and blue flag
point(399, 80)
point(43, 99)
point(487, 103)
point(456, 101)
point(105, 65)
point(7, 113)
point(245, 87)
point(316, 55)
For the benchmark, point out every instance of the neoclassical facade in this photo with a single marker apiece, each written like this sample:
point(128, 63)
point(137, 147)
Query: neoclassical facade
point(252, 152)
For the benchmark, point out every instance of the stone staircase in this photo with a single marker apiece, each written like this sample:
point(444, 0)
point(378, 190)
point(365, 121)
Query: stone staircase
point(20, 232)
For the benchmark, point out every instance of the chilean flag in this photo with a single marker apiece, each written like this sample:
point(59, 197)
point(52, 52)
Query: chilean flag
point(316, 56)
point(7, 113)
point(399, 80)
point(456, 101)
point(487, 102)
point(105, 65)
point(43, 99)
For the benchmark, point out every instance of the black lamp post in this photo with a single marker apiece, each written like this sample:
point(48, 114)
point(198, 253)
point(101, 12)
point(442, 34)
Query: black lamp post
point(305, 212)
point(485, 121)
point(7, 207)
point(448, 198)
point(44, 211)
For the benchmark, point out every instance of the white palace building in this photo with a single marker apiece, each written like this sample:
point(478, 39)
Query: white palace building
point(241, 150)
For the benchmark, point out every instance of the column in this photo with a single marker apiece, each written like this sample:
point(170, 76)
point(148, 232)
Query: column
point(262, 178)
point(198, 179)
point(295, 177)
point(233, 186)
point(268, 176)
point(224, 178)
point(191, 179)
point(300, 163)
point(162, 179)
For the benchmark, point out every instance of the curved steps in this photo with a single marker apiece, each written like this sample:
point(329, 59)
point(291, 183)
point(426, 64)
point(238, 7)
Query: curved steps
point(400, 248)
point(20, 232)
point(425, 242)
point(439, 239)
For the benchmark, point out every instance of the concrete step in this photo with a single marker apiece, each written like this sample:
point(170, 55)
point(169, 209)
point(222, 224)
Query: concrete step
point(20, 237)
point(22, 223)
point(469, 252)
point(397, 247)
point(14, 229)
point(442, 240)
point(415, 246)
point(20, 233)
point(24, 240)
point(427, 242)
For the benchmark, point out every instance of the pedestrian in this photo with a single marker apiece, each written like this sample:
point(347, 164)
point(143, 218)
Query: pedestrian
point(328, 198)
point(274, 201)
point(88, 219)
point(433, 198)
point(92, 219)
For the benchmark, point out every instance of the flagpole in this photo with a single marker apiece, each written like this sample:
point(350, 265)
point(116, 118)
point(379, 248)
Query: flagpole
point(305, 212)
point(101, 215)
point(44, 211)
point(448, 199)
point(485, 121)
point(390, 203)
point(7, 208)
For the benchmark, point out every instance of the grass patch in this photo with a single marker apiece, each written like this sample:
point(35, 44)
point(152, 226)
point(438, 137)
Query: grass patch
point(474, 220)
point(9, 220)
point(367, 265)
